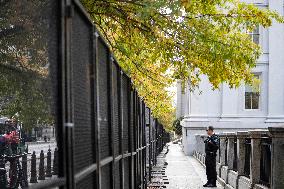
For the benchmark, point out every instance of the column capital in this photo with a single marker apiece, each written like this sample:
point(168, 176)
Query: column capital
point(276, 132)
point(242, 134)
point(230, 134)
point(222, 135)
point(258, 133)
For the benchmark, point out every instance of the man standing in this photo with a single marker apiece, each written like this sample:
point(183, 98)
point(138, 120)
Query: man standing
point(211, 147)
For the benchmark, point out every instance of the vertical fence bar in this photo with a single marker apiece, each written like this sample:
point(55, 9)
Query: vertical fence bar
point(135, 173)
point(145, 146)
point(120, 107)
point(111, 108)
point(68, 122)
point(132, 138)
point(122, 130)
point(97, 130)
point(150, 145)
point(93, 100)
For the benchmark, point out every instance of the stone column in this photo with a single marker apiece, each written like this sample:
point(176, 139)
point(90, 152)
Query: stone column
point(202, 145)
point(197, 138)
point(218, 153)
point(255, 154)
point(277, 160)
point(276, 67)
point(230, 150)
point(222, 149)
point(241, 136)
point(203, 137)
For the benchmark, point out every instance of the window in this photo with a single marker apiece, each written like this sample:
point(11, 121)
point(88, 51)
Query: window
point(252, 96)
point(255, 35)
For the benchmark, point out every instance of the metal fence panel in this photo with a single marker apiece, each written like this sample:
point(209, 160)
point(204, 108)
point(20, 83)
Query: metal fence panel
point(81, 58)
point(125, 111)
point(103, 88)
point(116, 110)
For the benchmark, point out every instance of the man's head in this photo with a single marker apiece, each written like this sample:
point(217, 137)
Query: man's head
point(210, 130)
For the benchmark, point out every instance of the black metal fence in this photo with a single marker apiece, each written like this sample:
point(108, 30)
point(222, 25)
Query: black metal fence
point(265, 161)
point(235, 161)
point(102, 136)
point(247, 157)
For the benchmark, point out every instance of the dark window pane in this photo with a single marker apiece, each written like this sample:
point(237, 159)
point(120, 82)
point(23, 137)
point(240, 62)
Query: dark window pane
point(255, 100)
point(247, 100)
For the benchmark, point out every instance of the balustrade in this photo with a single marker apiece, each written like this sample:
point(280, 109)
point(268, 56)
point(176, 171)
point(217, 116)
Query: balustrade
point(249, 159)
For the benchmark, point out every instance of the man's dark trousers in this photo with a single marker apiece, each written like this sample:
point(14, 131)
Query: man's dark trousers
point(210, 163)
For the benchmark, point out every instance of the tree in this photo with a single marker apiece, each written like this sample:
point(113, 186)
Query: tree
point(177, 126)
point(24, 83)
point(159, 41)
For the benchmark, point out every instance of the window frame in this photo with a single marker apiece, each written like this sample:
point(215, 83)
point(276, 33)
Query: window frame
point(255, 34)
point(259, 75)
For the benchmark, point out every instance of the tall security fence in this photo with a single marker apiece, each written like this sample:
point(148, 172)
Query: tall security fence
point(56, 69)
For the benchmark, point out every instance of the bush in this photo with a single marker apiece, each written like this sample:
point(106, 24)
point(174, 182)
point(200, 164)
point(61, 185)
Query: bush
point(177, 126)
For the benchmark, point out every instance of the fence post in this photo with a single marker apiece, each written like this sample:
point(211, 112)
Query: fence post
point(202, 147)
point(33, 169)
point(13, 173)
point(48, 162)
point(55, 162)
point(222, 149)
point(230, 148)
point(255, 155)
point(41, 172)
point(3, 178)
point(241, 136)
point(25, 168)
point(277, 160)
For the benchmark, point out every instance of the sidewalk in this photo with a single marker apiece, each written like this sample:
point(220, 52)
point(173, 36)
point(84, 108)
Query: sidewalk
point(183, 172)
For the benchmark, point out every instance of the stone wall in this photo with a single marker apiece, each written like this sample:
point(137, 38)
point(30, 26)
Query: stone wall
point(248, 159)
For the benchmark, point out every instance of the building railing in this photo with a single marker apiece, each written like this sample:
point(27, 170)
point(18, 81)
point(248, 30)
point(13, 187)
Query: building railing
point(249, 156)
point(235, 164)
point(265, 161)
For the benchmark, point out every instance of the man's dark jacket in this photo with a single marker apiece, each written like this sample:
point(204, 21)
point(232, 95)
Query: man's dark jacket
point(211, 144)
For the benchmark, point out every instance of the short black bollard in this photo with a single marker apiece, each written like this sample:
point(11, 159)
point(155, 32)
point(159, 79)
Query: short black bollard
point(41, 172)
point(3, 177)
point(27, 149)
point(25, 169)
point(33, 169)
point(48, 167)
point(55, 162)
point(13, 173)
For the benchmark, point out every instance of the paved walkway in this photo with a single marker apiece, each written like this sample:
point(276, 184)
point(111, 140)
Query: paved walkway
point(183, 172)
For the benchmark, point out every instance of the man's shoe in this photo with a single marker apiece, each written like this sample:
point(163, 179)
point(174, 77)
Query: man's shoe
point(205, 185)
point(210, 185)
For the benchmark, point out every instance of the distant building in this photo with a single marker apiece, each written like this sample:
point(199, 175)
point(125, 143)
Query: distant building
point(243, 108)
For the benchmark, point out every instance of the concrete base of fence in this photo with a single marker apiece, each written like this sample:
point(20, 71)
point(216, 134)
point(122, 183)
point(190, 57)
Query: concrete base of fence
point(224, 173)
point(232, 178)
point(227, 186)
point(203, 159)
point(258, 186)
point(244, 183)
point(218, 168)
point(221, 181)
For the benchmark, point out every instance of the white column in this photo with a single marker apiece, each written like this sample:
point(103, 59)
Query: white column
point(276, 67)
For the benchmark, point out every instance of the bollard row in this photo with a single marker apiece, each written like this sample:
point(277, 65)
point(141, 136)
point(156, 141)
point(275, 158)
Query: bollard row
point(20, 170)
point(44, 171)
point(248, 159)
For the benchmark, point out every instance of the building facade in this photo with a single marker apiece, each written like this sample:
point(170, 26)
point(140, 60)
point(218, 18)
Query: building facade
point(242, 108)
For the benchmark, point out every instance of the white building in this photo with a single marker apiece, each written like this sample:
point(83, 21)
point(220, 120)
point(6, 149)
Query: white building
point(240, 109)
